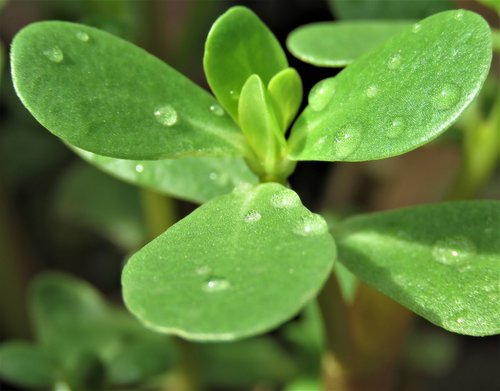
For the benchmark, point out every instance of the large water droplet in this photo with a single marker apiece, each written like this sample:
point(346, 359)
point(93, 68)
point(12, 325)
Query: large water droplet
point(346, 140)
point(166, 115)
point(371, 91)
point(447, 97)
point(252, 216)
point(217, 110)
point(416, 27)
point(453, 250)
point(396, 126)
point(82, 36)
point(285, 199)
point(394, 61)
point(311, 225)
point(321, 94)
point(139, 168)
point(54, 54)
point(216, 284)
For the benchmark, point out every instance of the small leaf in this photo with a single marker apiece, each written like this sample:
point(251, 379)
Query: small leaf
point(285, 90)
point(441, 261)
point(259, 124)
point(398, 97)
point(26, 365)
point(233, 268)
point(238, 46)
point(105, 95)
point(195, 179)
point(337, 44)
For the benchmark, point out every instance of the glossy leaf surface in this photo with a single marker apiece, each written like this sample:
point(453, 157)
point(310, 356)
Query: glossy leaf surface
point(441, 261)
point(285, 89)
point(232, 268)
point(105, 95)
point(337, 44)
point(238, 46)
point(195, 179)
point(398, 97)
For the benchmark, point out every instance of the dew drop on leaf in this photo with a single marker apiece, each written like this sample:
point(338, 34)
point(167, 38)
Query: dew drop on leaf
point(321, 94)
point(394, 61)
point(447, 97)
point(416, 27)
point(459, 15)
point(139, 168)
point(234, 95)
point(166, 115)
point(82, 36)
point(453, 250)
point(216, 110)
point(54, 54)
point(396, 126)
point(203, 270)
point(311, 226)
point(215, 284)
point(460, 320)
point(371, 91)
point(212, 176)
point(252, 216)
point(346, 141)
point(285, 199)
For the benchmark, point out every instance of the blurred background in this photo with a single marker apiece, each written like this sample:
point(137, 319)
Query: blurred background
point(59, 213)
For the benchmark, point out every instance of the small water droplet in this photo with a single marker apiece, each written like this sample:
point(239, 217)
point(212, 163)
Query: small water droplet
point(460, 320)
point(54, 54)
point(453, 250)
point(459, 15)
point(202, 270)
point(371, 91)
point(216, 284)
point(346, 141)
point(252, 216)
point(234, 95)
point(213, 176)
point(416, 27)
point(394, 61)
point(311, 225)
point(285, 199)
point(447, 97)
point(217, 110)
point(166, 115)
point(82, 36)
point(139, 168)
point(396, 126)
point(321, 94)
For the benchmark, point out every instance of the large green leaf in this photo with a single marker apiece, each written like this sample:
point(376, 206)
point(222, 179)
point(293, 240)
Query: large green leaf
point(337, 44)
point(239, 265)
point(196, 179)
point(105, 95)
point(239, 45)
point(27, 365)
point(441, 261)
point(388, 9)
point(398, 97)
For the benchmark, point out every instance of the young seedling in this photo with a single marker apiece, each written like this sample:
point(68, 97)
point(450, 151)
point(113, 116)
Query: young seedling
point(249, 259)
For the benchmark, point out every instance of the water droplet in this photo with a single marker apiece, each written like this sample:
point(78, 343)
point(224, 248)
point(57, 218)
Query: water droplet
point(447, 97)
point(460, 320)
point(416, 27)
point(459, 15)
point(139, 168)
point(453, 250)
point(346, 141)
point(371, 91)
point(216, 284)
point(321, 94)
point(166, 115)
point(285, 199)
point(394, 61)
point(396, 126)
point(217, 110)
point(243, 187)
point(82, 36)
point(311, 225)
point(54, 54)
point(234, 95)
point(252, 216)
point(202, 270)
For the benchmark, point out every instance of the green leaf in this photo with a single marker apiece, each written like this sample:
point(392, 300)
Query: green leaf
point(24, 364)
point(112, 210)
point(388, 9)
point(259, 124)
point(398, 97)
point(337, 44)
point(285, 90)
point(239, 265)
point(105, 95)
point(238, 46)
point(196, 179)
point(441, 261)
